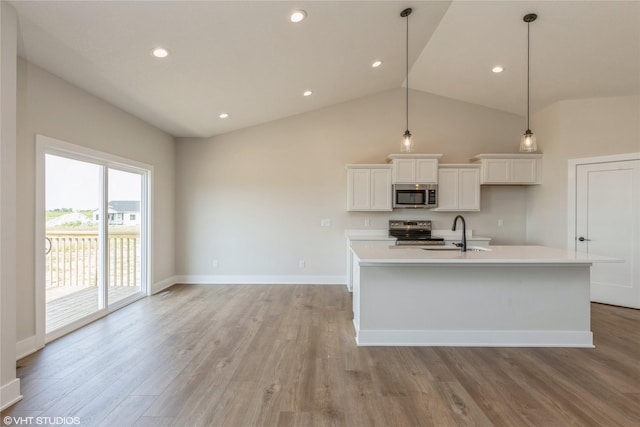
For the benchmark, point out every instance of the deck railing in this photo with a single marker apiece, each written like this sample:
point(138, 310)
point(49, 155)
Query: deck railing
point(72, 259)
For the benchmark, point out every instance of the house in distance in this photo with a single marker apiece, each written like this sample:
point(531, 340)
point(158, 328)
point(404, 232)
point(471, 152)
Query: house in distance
point(122, 212)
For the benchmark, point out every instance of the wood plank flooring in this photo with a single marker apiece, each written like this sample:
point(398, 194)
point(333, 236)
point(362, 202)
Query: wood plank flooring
point(211, 355)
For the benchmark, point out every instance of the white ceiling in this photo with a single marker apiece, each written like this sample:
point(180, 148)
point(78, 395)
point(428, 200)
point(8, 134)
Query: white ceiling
point(247, 59)
point(579, 49)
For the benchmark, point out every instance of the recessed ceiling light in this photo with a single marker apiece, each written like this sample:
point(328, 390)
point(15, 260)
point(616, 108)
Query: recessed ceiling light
point(297, 15)
point(307, 93)
point(497, 69)
point(223, 115)
point(376, 63)
point(160, 52)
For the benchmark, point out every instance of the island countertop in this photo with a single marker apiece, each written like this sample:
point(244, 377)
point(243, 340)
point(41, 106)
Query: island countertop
point(384, 255)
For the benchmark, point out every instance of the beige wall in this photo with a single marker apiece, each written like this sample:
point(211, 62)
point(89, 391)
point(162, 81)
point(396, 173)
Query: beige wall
point(569, 130)
point(49, 106)
point(9, 385)
point(253, 199)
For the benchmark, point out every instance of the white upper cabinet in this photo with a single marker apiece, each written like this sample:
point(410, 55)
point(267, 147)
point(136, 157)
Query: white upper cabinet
point(381, 189)
point(458, 187)
point(368, 187)
point(510, 169)
point(414, 168)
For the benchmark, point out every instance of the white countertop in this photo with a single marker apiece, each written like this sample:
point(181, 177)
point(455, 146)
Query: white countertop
point(368, 234)
point(383, 235)
point(456, 235)
point(383, 254)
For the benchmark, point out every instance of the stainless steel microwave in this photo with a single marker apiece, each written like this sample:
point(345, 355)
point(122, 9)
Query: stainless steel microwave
point(415, 196)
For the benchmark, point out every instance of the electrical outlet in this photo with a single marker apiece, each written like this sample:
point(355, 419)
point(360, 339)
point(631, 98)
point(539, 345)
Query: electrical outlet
point(367, 222)
point(215, 263)
point(302, 263)
point(500, 223)
point(325, 222)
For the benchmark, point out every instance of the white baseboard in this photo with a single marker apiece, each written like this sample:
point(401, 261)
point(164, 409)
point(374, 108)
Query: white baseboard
point(261, 280)
point(474, 338)
point(26, 347)
point(163, 284)
point(10, 394)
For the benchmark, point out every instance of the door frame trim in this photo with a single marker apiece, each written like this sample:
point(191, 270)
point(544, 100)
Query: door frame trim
point(573, 184)
point(47, 145)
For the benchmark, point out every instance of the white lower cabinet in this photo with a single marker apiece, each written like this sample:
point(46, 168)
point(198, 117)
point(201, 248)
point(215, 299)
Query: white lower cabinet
point(458, 187)
point(369, 188)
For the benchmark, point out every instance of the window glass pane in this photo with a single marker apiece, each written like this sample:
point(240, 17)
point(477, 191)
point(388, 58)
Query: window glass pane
point(72, 198)
point(124, 232)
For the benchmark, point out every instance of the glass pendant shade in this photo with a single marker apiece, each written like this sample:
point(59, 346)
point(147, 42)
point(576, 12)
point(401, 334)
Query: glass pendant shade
point(407, 143)
point(528, 142)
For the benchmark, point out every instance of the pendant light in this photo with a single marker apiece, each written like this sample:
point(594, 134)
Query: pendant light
point(407, 142)
point(528, 140)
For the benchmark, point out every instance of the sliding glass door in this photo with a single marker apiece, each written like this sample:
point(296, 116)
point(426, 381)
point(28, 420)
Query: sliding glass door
point(73, 249)
point(124, 234)
point(96, 251)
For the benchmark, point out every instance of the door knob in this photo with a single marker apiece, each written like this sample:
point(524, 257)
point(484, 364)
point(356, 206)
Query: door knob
point(582, 239)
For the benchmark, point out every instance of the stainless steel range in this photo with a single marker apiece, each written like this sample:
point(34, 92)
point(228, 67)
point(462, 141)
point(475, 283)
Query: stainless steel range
point(413, 232)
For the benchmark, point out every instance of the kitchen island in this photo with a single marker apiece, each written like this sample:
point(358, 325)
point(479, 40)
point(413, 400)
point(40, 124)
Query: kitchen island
point(508, 296)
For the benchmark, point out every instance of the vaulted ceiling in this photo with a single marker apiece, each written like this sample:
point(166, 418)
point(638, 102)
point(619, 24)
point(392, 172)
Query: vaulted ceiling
point(247, 59)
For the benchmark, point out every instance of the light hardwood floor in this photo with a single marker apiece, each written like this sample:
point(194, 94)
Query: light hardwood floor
point(209, 355)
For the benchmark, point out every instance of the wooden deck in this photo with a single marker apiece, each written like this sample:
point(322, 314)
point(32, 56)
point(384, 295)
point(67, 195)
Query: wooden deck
point(68, 304)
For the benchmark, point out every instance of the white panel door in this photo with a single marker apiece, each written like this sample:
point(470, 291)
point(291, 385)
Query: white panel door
point(469, 190)
point(358, 189)
point(404, 171)
point(427, 171)
point(524, 171)
point(448, 189)
point(608, 223)
point(381, 189)
point(495, 171)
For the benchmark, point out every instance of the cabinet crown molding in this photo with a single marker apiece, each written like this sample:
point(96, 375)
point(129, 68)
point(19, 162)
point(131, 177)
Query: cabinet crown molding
point(459, 165)
point(507, 156)
point(392, 157)
point(368, 166)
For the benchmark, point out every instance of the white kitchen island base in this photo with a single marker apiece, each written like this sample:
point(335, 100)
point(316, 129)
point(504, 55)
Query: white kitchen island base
point(471, 299)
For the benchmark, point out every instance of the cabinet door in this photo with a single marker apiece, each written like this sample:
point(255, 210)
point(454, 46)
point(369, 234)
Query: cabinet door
point(381, 189)
point(468, 189)
point(358, 189)
point(447, 189)
point(426, 171)
point(404, 171)
point(495, 171)
point(524, 171)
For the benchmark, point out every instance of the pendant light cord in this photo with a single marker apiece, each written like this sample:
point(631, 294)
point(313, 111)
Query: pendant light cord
point(407, 68)
point(528, 83)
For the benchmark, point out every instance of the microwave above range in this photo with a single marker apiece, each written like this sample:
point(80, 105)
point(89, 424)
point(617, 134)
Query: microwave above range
point(415, 196)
